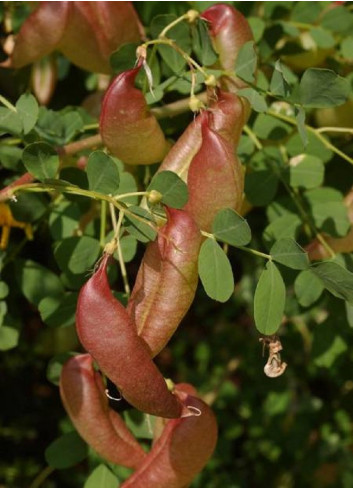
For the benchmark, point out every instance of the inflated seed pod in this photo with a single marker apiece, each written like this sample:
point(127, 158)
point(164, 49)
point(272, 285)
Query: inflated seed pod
point(82, 393)
point(86, 32)
point(228, 119)
point(128, 129)
point(229, 30)
point(167, 280)
point(215, 177)
point(109, 334)
point(181, 451)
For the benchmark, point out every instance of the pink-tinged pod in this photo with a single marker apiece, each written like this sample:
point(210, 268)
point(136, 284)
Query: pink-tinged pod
point(82, 393)
point(86, 32)
point(167, 280)
point(110, 336)
point(127, 127)
point(229, 30)
point(228, 119)
point(181, 451)
point(215, 177)
point(95, 30)
point(40, 33)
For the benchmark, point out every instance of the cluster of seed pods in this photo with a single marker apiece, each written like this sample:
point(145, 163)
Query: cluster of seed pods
point(123, 341)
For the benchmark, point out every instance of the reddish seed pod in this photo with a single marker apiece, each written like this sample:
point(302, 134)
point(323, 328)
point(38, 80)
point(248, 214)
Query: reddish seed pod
point(82, 393)
point(215, 178)
point(110, 336)
point(181, 451)
point(167, 280)
point(86, 32)
point(228, 119)
point(229, 30)
point(128, 129)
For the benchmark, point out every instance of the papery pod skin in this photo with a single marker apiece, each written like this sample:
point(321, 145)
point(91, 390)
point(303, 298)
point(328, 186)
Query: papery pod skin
point(181, 451)
point(95, 30)
point(108, 333)
point(128, 129)
point(40, 33)
point(167, 280)
point(43, 79)
point(82, 393)
point(316, 250)
point(215, 177)
point(86, 32)
point(229, 30)
point(228, 119)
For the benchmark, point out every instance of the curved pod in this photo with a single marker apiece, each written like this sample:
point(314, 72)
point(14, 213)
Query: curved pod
point(82, 393)
point(181, 451)
point(109, 335)
point(128, 129)
point(167, 280)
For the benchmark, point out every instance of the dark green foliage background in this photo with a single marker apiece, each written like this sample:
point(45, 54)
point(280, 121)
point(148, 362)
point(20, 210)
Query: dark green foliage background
point(294, 431)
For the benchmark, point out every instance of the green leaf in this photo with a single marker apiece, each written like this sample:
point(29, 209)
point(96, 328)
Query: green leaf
point(202, 44)
point(300, 118)
point(128, 247)
point(257, 101)
point(64, 220)
point(347, 48)
point(140, 424)
point(27, 109)
point(141, 230)
point(101, 476)
point(308, 288)
point(77, 254)
point(102, 173)
point(58, 312)
point(4, 290)
point(41, 160)
point(287, 252)
point(279, 85)
point(123, 58)
point(307, 12)
point(215, 271)
point(320, 88)
point(261, 187)
point(268, 127)
point(285, 226)
point(308, 172)
point(173, 189)
point(55, 366)
point(36, 281)
point(229, 227)
point(327, 345)
point(128, 185)
point(257, 26)
point(269, 300)
point(10, 157)
point(9, 337)
point(338, 19)
point(179, 33)
point(66, 451)
point(10, 121)
point(336, 280)
point(29, 207)
point(323, 38)
point(246, 63)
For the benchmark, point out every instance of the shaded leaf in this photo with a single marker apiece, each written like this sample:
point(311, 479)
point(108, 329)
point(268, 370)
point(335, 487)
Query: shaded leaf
point(287, 252)
point(246, 63)
point(66, 451)
point(322, 88)
point(229, 227)
point(173, 189)
point(27, 109)
point(308, 288)
point(336, 279)
point(102, 173)
point(41, 160)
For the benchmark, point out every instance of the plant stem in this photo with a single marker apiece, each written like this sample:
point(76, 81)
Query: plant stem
point(243, 248)
point(316, 133)
point(253, 137)
point(117, 227)
point(80, 145)
point(335, 129)
point(7, 104)
point(44, 474)
point(103, 222)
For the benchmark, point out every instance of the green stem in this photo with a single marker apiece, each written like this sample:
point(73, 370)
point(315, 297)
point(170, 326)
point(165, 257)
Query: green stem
point(335, 129)
point(314, 131)
point(103, 223)
point(253, 137)
point(7, 104)
point(193, 14)
point(117, 227)
point(44, 474)
point(255, 252)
